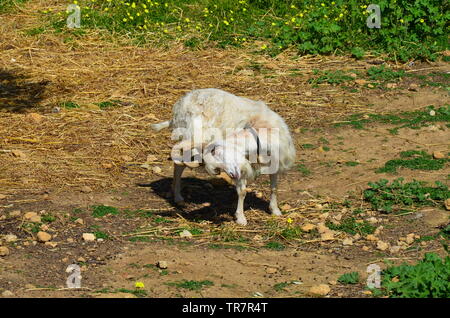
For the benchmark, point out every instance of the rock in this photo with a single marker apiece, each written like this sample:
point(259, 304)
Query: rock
point(18, 154)
point(308, 93)
point(186, 234)
point(391, 85)
point(365, 248)
point(371, 237)
point(438, 155)
point(81, 259)
point(15, 213)
point(7, 293)
point(353, 75)
point(372, 220)
point(107, 165)
point(43, 236)
point(271, 270)
point(413, 87)
point(4, 251)
point(29, 215)
point(367, 292)
point(378, 230)
point(447, 204)
point(9, 238)
point(88, 237)
point(34, 117)
point(382, 246)
point(156, 170)
point(324, 216)
point(347, 242)
point(86, 189)
point(51, 244)
point(327, 236)
point(286, 207)
point(394, 249)
point(308, 227)
point(70, 240)
point(360, 81)
point(410, 238)
point(320, 290)
point(162, 264)
point(79, 221)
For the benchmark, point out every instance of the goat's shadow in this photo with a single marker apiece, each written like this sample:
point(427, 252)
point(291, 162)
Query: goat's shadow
point(18, 92)
point(220, 197)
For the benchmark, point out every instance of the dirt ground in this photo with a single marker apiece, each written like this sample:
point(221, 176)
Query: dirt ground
point(59, 161)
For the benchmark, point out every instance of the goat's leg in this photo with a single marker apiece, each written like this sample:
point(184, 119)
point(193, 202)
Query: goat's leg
point(240, 189)
point(273, 205)
point(176, 186)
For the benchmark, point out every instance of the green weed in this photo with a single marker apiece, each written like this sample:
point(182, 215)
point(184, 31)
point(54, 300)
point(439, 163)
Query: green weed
point(349, 278)
point(99, 211)
point(414, 160)
point(191, 284)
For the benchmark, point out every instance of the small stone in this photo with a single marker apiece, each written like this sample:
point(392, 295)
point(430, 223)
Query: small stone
point(257, 238)
point(43, 236)
point(2, 196)
point(372, 220)
point(432, 113)
point(447, 204)
point(371, 237)
point(391, 85)
point(308, 227)
point(308, 93)
point(4, 251)
point(86, 189)
point(29, 286)
point(365, 248)
point(382, 246)
point(327, 236)
point(353, 75)
point(51, 244)
point(81, 259)
point(9, 238)
point(438, 155)
point(413, 87)
point(410, 238)
point(332, 282)
point(367, 292)
point(394, 249)
point(79, 221)
point(7, 293)
point(360, 81)
point(322, 228)
point(156, 170)
point(186, 234)
point(271, 270)
point(347, 242)
point(70, 240)
point(324, 216)
point(378, 230)
point(286, 207)
point(88, 237)
point(162, 264)
point(320, 290)
point(107, 165)
point(35, 219)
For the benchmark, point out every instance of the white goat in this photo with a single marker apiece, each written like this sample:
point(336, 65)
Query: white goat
point(259, 141)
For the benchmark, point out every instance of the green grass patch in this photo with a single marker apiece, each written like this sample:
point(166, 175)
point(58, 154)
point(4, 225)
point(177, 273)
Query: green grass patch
point(303, 170)
point(386, 197)
point(349, 278)
point(411, 119)
point(350, 226)
point(69, 105)
point(276, 246)
point(140, 293)
point(414, 160)
point(48, 218)
point(99, 211)
point(191, 284)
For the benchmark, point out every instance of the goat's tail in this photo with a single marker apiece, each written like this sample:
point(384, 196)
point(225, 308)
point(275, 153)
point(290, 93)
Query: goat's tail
point(162, 125)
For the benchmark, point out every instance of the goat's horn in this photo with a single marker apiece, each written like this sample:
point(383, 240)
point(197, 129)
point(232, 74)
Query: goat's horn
point(192, 164)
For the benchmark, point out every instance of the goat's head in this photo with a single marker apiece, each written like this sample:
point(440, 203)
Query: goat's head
point(227, 158)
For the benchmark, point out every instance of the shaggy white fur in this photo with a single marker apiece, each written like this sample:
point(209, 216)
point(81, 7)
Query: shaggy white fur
point(233, 134)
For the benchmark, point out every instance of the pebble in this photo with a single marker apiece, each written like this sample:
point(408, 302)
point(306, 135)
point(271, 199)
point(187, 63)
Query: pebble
point(35, 117)
point(162, 264)
point(257, 238)
point(447, 204)
point(371, 237)
point(347, 242)
point(410, 238)
point(9, 238)
point(382, 246)
point(4, 251)
point(395, 249)
point(88, 237)
point(308, 227)
point(126, 158)
point(321, 290)
point(186, 234)
point(156, 170)
point(271, 270)
point(2, 196)
point(372, 220)
point(327, 236)
point(51, 244)
point(365, 248)
point(18, 154)
point(322, 228)
point(438, 155)
point(79, 221)
point(43, 236)
point(413, 87)
point(286, 207)
point(86, 189)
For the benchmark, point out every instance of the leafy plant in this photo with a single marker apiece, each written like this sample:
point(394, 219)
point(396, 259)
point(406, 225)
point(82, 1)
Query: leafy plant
point(385, 197)
point(191, 284)
point(415, 160)
point(99, 211)
point(349, 278)
point(350, 226)
point(429, 278)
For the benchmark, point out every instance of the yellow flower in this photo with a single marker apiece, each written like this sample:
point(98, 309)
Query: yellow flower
point(341, 15)
point(263, 47)
point(289, 220)
point(124, 19)
point(401, 21)
point(75, 2)
point(226, 22)
point(422, 20)
point(322, 4)
point(139, 285)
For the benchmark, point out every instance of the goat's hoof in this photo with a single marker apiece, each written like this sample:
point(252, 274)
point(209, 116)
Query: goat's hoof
point(276, 212)
point(241, 221)
point(180, 202)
